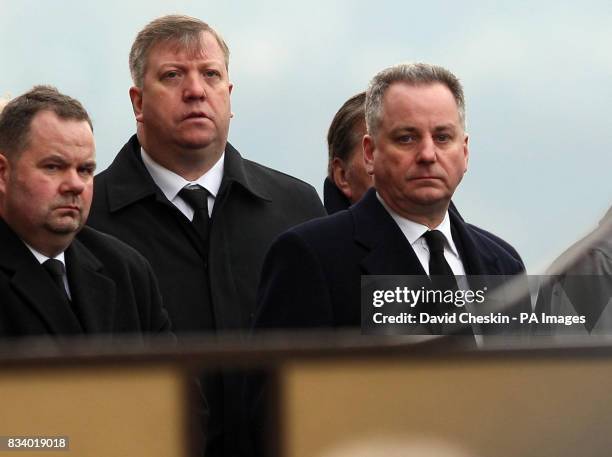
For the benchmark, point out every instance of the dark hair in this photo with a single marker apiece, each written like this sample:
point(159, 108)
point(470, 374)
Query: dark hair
point(184, 30)
point(343, 135)
point(17, 115)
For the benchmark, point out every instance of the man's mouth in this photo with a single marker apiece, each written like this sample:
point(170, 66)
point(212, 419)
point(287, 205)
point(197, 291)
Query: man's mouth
point(68, 208)
point(195, 115)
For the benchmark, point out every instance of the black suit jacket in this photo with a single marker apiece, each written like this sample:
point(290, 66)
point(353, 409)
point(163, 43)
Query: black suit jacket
point(112, 286)
point(312, 273)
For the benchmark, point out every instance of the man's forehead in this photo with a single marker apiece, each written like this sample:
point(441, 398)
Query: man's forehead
point(204, 45)
point(49, 120)
point(432, 99)
point(49, 131)
point(418, 91)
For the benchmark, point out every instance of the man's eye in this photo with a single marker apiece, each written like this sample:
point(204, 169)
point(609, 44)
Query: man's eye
point(212, 73)
point(51, 167)
point(406, 139)
point(87, 171)
point(443, 138)
point(171, 75)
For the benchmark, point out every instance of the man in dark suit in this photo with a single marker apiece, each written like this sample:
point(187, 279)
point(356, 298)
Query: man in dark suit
point(417, 150)
point(347, 179)
point(56, 276)
point(185, 198)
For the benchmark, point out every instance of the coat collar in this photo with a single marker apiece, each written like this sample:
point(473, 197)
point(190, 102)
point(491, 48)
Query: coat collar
point(390, 253)
point(236, 170)
point(132, 182)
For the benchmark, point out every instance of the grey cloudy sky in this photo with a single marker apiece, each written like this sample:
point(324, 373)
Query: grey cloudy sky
point(537, 75)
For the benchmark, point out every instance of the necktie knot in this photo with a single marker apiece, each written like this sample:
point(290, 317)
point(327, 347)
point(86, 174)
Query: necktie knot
point(55, 268)
point(435, 240)
point(196, 196)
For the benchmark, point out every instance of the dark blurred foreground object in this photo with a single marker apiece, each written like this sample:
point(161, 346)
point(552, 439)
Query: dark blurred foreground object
point(580, 284)
point(333, 390)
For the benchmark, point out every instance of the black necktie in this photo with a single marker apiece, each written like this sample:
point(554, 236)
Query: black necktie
point(439, 269)
point(197, 197)
point(55, 268)
point(443, 278)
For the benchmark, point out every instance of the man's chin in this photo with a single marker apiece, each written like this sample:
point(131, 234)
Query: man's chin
point(64, 227)
point(196, 142)
point(430, 199)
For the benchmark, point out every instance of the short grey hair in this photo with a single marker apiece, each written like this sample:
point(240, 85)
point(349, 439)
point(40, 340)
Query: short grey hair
point(413, 74)
point(186, 31)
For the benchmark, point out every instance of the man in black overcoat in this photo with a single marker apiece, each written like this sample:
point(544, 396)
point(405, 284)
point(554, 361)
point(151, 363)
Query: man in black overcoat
point(57, 277)
point(181, 195)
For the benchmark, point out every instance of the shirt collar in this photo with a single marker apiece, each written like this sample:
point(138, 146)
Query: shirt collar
point(43, 258)
point(171, 184)
point(413, 231)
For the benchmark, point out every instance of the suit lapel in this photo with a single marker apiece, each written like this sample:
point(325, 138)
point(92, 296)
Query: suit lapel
point(34, 285)
point(389, 253)
point(477, 260)
point(93, 293)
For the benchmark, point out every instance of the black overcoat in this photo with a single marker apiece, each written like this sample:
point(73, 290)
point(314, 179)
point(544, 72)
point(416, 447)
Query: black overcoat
point(254, 205)
point(113, 290)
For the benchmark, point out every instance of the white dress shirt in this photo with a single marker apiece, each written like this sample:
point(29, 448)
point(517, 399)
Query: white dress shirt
point(171, 184)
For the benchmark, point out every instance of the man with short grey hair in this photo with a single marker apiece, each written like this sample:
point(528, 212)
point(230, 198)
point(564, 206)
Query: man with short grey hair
point(417, 150)
point(180, 194)
point(413, 74)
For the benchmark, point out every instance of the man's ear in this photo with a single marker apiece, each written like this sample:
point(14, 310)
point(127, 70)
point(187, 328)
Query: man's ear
point(136, 98)
point(231, 86)
point(5, 167)
point(339, 177)
point(368, 153)
point(466, 152)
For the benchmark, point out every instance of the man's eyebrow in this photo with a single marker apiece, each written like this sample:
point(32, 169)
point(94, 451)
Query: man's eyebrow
point(54, 156)
point(171, 64)
point(405, 128)
point(444, 127)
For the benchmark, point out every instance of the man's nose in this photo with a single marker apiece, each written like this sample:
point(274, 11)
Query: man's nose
point(427, 152)
point(194, 87)
point(73, 182)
